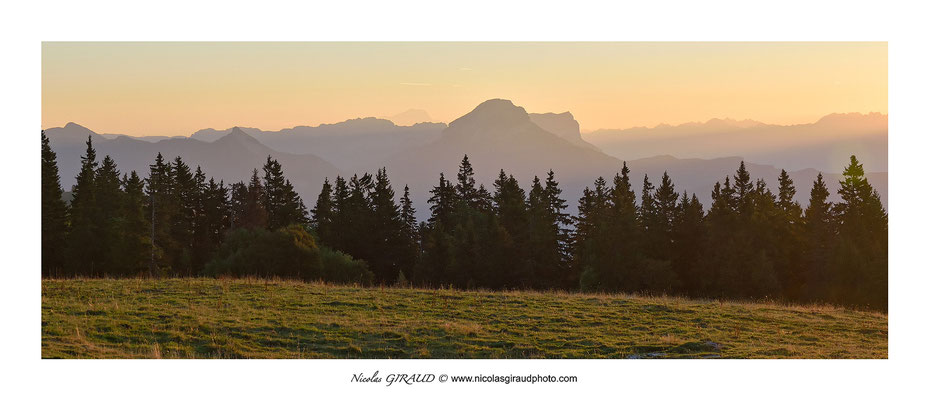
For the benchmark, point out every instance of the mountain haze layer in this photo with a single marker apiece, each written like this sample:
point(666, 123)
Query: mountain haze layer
point(496, 135)
point(230, 158)
point(354, 145)
point(824, 145)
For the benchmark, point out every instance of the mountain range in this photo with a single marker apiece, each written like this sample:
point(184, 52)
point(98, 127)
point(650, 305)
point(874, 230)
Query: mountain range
point(496, 134)
point(824, 145)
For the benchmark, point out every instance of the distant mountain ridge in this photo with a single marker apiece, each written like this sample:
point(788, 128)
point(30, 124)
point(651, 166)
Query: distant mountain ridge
point(496, 134)
point(353, 145)
point(824, 144)
point(230, 158)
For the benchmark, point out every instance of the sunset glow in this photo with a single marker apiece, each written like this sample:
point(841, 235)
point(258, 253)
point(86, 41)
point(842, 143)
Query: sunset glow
point(178, 88)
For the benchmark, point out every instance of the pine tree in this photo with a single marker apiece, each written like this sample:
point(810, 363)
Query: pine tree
point(466, 190)
point(322, 213)
point(657, 214)
point(281, 201)
point(787, 235)
point(384, 230)
point(409, 248)
point(817, 237)
point(859, 260)
point(743, 191)
point(443, 203)
point(592, 245)
point(562, 227)
point(54, 214)
point(160, 210)
point(509, 201)
point(109, 218)
point(134, 237)
point(216, 215)
point(185, 195)
point(248, 204)
point(84, 253)
point(687, 254)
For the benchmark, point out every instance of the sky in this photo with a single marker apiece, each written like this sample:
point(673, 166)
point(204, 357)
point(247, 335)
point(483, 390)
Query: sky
point(177, 88)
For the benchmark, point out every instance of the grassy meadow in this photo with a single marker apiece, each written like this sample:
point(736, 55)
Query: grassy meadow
point(248, 318)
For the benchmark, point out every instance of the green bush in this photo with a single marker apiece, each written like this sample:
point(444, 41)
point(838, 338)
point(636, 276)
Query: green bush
point(289, 252)
point(339, 267)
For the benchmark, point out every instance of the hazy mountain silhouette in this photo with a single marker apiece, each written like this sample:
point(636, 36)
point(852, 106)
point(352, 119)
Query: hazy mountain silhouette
point(699, 175)
point(231, 158)
point(824, 145)
point(410, 117)
point(496, 134)
point(564, 125)
point(353, 145)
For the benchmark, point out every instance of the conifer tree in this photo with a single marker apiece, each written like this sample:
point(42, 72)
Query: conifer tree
point(562, 227)
point(466, 189)
point(385, 230)
point(160, 211)
point(510, 204)
point(787, 235)
point(248, 204)
point(281, 201)
point(322, 213)
point(109, 218)
point(859, 260)
point(134, 242)
point(54, 214)
point(817, 237)
point(84, 253)
point(689, 236)
point(409, 248)
point(185, 196)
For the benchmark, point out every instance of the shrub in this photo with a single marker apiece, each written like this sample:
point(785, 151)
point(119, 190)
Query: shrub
point(289, 252)
point(339, 267)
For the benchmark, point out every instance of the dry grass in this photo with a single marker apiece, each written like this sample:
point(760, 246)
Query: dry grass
point(258, 318)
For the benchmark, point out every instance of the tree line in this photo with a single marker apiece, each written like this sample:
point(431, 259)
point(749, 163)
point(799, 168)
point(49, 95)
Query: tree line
point(750, 243)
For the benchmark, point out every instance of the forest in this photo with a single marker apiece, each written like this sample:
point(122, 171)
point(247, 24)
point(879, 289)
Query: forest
point(751, 242)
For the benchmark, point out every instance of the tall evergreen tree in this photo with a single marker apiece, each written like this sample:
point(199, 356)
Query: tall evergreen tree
point(322, 213)
point(816, 240)
point(134, 241)
point(384, 230)
point(787, 235)
point(859, 260)
point(510, 204)
point(409, 248)
point(160, 210)
point(283, 204)
point(54, 214)
point(84, 252)
point(687, 254)
point(109, 217)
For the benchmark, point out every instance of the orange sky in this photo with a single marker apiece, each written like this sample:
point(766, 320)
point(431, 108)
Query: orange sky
point(177, 88)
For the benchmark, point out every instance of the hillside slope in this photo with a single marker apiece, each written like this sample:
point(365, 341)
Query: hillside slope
point(210, 318)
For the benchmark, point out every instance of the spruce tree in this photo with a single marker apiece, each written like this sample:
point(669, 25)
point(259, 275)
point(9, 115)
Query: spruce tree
point(160, 211)
point(385, 230)
point(109, 218)
point(787, 236)
point(84, 252)
point(409, 248)
point(817, 237)
point(54, 214)
point(281, 201)
point(510, 204)
point(859, 260)
point(322, 213)
point(134, 236)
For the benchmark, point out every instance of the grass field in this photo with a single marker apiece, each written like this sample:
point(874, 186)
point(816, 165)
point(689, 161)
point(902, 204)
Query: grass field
point(215, 318)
